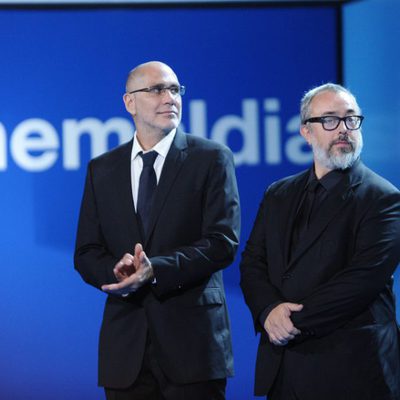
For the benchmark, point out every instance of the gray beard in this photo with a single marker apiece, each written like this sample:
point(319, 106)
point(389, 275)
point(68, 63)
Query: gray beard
point(344, 159)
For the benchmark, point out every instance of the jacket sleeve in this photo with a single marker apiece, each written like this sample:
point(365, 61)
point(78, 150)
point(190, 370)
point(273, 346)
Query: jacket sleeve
point(259, 293)
point(92, 258)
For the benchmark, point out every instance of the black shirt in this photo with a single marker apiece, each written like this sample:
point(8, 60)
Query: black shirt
point(314, 193)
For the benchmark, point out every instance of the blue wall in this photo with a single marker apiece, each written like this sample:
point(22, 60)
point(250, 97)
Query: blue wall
point(62, 76)
point(372, 71)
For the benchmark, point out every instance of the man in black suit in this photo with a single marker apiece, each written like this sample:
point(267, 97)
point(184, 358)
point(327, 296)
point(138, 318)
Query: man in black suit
point(317, 269)
point(157, 246)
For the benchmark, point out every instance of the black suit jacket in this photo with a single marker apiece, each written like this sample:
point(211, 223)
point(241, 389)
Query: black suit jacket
point(193, 235)
point(341, 272)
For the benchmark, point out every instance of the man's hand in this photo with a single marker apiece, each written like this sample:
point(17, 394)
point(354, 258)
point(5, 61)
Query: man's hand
point(132, 272)
point(124, 267)
point(278, 325)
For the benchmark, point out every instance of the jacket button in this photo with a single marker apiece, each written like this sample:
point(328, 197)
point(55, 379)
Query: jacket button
point(287, 276)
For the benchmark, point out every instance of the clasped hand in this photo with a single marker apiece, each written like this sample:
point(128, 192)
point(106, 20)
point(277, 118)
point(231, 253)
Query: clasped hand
point(279, 326)
point(132, 272)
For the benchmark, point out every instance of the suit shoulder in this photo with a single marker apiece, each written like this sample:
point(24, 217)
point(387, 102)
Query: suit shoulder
point(113, 156)
point(203, 144)
point(288, 183)
point(379, 182)
point(374, 185)
point(206, 149)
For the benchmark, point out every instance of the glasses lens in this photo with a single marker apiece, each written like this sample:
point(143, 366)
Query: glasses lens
point(353, 122)
point(175, 90)
point(157, 89)
point(330, 123)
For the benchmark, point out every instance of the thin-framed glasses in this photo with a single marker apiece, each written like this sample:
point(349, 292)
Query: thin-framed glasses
point(159, 90)
point(331, 122)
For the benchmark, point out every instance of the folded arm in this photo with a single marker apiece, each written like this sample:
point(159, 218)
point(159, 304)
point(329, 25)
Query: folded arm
point(354, 287)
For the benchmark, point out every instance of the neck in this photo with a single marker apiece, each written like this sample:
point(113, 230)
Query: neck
point(148, 140)
point(320, 170)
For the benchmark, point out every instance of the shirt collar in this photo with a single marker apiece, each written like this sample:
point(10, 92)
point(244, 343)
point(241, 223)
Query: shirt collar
point(162, 147)
point(328, 181)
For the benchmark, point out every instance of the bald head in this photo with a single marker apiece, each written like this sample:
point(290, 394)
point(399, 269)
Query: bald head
point(153, 98)
point(137, 76)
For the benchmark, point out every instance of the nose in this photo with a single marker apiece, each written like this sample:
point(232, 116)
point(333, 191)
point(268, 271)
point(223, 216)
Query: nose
point(168, 96)
point(342, 127)
point(168, 91)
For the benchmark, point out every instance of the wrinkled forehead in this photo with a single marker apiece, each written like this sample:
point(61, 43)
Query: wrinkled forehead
point(334, 103)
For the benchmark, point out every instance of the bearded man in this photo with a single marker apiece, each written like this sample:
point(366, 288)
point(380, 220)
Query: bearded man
point(317, 269)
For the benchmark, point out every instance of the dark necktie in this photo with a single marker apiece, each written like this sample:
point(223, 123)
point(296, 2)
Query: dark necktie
point(147, 187)
point(303, 217)
point(309, 203)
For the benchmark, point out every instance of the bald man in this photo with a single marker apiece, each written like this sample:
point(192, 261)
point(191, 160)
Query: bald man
point(159, 222)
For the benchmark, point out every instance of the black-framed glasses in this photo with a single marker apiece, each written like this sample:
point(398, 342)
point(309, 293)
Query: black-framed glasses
point(159, 90)
point(331, 122)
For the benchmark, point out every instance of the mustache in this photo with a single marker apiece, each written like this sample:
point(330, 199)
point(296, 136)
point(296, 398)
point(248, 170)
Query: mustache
point(344, 138)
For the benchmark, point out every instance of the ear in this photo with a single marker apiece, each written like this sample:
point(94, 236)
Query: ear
point(130, 104)
point(306, 133)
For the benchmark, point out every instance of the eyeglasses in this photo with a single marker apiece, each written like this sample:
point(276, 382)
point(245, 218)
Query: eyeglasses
point(331, 122)
point(159, 90)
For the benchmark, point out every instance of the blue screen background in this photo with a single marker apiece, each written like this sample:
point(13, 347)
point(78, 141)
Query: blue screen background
point(247, 66)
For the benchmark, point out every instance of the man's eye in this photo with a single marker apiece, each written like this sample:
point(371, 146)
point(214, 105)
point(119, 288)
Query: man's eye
point(174, 89)
point(329, 120)
point(156, 89)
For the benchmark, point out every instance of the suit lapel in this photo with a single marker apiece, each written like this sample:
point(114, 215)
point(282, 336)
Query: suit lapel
point(341, 194)
point(289, 212)
point(123, 188)
point(173, 163)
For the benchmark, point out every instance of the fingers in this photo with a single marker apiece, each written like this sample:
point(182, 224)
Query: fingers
point(279, 342)
point(295, 331)
point(124, 262)
point(138, 250)
point(279, 326)
point(140, 258)
point(294, 307)
point(280, 337)
point(124, 267)
point(127, 285)
point(131, 272)
point(115, 288)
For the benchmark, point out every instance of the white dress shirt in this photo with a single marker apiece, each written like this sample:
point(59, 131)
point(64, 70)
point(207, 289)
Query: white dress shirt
point(162, 148)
